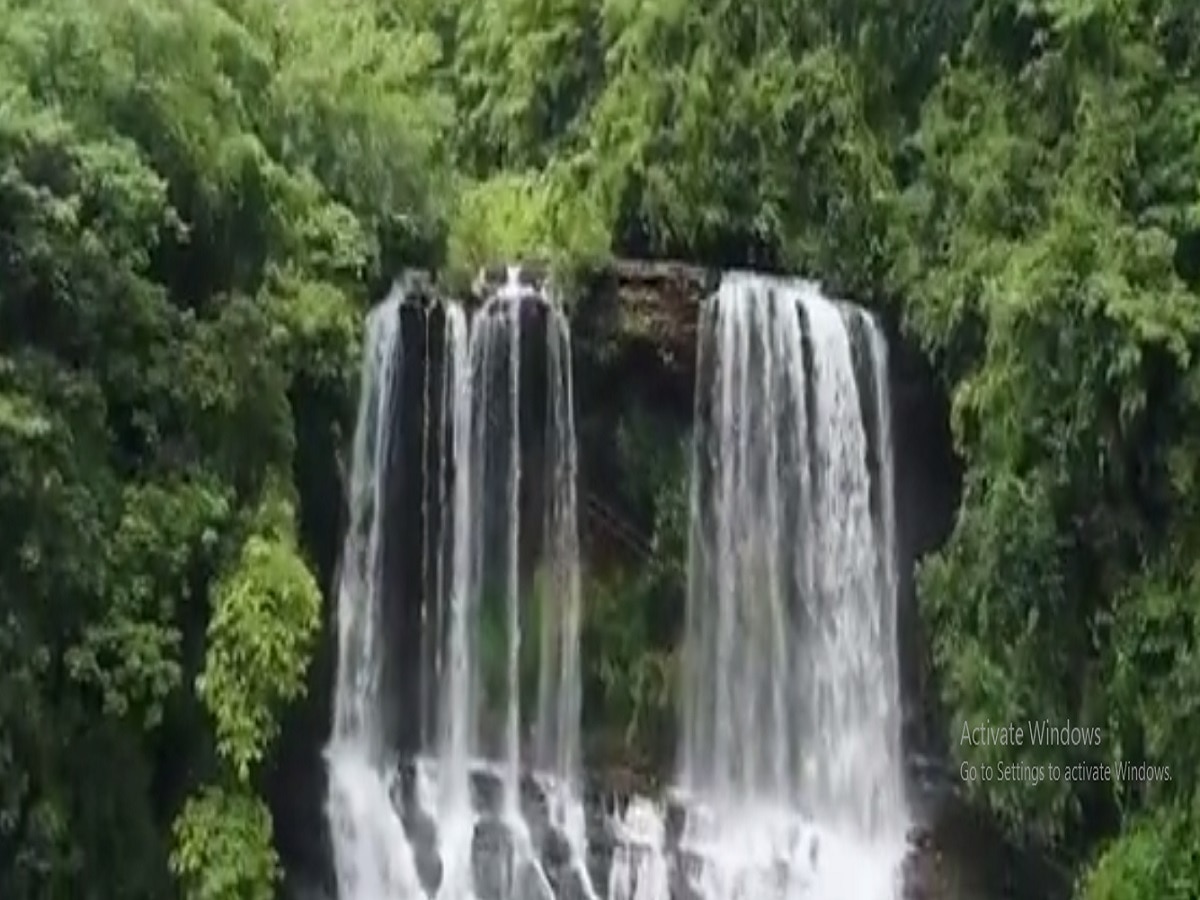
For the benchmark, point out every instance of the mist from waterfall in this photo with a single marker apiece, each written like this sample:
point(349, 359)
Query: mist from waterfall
point(455, 820)
point(790, 771)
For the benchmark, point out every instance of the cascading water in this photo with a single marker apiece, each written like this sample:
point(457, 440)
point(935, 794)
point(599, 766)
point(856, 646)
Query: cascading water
point(371, 855)
point(790, 778)
point(487, 809)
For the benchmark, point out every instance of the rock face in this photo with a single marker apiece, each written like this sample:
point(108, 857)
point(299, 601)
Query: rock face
point(651, 305)
point(537, 864)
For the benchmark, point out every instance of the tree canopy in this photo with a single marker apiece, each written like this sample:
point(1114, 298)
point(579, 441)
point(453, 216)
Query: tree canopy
point(198, 197)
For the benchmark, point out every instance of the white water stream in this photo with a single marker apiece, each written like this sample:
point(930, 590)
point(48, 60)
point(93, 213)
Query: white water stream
point(790, 775)
point(445, 833)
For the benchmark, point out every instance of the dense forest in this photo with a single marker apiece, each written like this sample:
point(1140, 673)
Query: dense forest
point(199, 199)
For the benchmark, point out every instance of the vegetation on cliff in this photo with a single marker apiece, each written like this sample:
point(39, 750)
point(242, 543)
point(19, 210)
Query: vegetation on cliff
point(197, 198)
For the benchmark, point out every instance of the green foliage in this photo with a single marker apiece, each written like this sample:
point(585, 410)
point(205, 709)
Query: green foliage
point(167, 536)
point(494, 647)
point(223, 847)
point(632, 617)
point(266, 612)
point(1153, 675)
point(524, 216)
point(1159, 856)
point(1048, 263)
point(521, 73)
point(494, 636)
point(192, 196)
point(999, 581)
point(321, 330)
point(632, 681)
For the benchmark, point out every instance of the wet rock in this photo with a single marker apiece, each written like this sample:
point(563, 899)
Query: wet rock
point(533, 274)
point(422, 832)
point(487, 791)
point(400, 788)
point(556, 849)
point(654, 303)
point(530, 882)
point(535, 809)
point(600, 848)
point(684, 875)
point(420, 826)
point(559, 863)
point(418, 287)
point(492, 859)
point(601, 841)
point(674, 822)
point(574, 886)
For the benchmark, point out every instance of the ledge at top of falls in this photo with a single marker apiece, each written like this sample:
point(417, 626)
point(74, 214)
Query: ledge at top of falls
point(652, 305)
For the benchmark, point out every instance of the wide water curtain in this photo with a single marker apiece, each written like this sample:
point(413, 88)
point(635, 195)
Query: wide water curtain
point(790, 640)
point(460, 576)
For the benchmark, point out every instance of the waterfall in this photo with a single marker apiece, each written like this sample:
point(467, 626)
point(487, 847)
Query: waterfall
point(491, 792)
point(559, 689)
point(790, 770)
point(371, 855)
point(789, 780)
